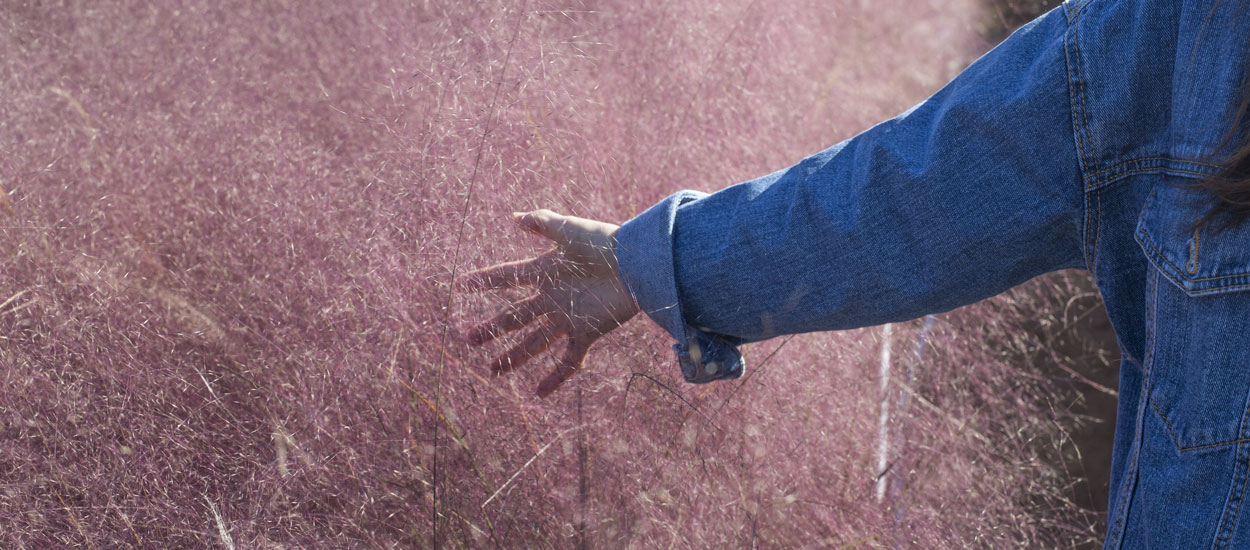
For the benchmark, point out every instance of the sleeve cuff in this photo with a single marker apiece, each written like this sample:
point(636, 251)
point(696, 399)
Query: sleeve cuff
point(644, 259)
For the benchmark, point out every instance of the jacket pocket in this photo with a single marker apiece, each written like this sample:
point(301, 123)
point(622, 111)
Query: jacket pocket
point(1198, 319)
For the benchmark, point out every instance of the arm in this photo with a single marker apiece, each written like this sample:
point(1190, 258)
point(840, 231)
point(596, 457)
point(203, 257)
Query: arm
point(974, 190)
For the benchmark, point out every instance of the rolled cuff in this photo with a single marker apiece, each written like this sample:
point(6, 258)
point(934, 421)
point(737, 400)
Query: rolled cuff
point(645, 264)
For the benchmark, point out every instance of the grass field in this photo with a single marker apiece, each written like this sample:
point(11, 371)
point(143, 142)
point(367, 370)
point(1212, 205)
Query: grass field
point(229, 231)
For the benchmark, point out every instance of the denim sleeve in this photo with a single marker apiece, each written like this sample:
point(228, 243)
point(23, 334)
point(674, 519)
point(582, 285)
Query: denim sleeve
point(974, 190)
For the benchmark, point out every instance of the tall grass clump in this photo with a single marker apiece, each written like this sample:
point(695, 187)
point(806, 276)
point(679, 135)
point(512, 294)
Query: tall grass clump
point(230, 230)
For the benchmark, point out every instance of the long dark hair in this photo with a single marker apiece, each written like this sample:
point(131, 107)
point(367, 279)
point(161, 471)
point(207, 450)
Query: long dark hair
point(1230, 188)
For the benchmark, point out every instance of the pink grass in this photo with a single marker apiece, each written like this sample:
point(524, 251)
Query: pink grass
point(229, 232)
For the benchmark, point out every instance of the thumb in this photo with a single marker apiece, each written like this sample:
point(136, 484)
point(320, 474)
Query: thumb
point(542, 222)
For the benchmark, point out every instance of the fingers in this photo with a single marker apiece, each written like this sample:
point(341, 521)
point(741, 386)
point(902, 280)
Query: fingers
point(544, 222)
point(572, 360)
point(513, 318)
point(533, 344)
point(512, 274)
point(526, 272)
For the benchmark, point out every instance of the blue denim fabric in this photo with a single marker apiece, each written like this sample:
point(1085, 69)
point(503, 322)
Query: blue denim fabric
point(1075, 143)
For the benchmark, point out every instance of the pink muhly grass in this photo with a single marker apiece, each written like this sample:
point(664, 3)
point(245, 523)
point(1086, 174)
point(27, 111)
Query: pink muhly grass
point(231, 229)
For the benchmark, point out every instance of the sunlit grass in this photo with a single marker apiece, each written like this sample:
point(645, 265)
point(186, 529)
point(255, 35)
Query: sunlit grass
point(230, 229)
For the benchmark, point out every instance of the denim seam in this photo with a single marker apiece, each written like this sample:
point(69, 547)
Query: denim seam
point(1225, 534)
point(1207, 291)
point(1215, 290)
point(1156, 252)
point(1166, 422)
point(1127, 485)
point(1157, 158)
point(1073, 77)
point(1152, 306)
point(1192, 266)
point(1077, 5)
point(1228, 526)
point(1245, 470)
point(1089, 263)
point(1124, 500)
point(1175, 440)
point(1092, 163)
point(1130, 476)
point(1148, 362)
point(1097, 230)
point(1226, 529)
point(1214, 445)
point(1181, 172)
point(1073, 13)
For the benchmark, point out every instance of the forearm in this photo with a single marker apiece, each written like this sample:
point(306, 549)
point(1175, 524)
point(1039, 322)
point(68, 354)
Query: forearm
point(973, 191)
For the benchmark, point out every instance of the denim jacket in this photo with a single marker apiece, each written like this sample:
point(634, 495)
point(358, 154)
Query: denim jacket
point(1074, 144)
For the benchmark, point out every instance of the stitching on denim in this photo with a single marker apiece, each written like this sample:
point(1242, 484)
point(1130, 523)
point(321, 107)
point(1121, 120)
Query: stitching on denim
point(1151, 306)
point(1192, 268)
point(1161, 169)
point(1072, 10)
point(1156, 252)
point(1245, 475)
point(1082, 123)
point(1152, 288)
point(1212, 290)
point(1125, 495)
point(1205, 291)
point(1073, 77)
point(1123, 502)
point(1240, 472)
point(1217, 444)
point(1152, 309)
point(1097, 228)
point(1185, 449)
point(1076, 42)
point(1157, 158)
point(1178, 281)
point(1126, 492)
point(1172, 431)
point(1152, 312)
point(1089, 264)
point(1224, 535)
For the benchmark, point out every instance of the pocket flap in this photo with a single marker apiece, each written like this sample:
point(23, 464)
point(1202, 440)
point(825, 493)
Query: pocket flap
point(1199, 261)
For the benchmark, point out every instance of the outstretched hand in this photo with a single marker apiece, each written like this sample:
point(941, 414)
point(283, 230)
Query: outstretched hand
point(578, 294)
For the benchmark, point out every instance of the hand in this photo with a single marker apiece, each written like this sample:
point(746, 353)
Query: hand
point(579, 294)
